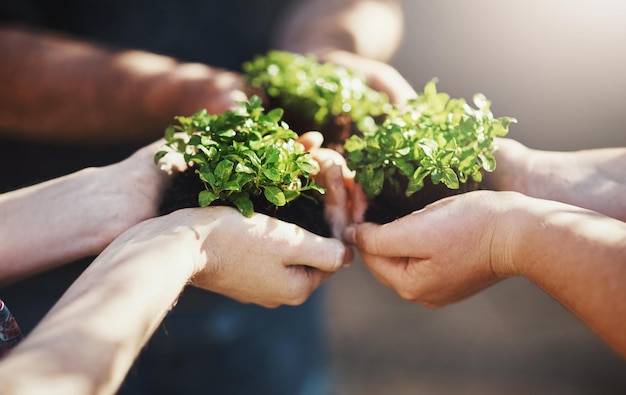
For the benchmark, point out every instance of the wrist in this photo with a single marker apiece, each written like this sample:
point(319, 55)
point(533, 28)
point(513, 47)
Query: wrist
point(514, 221)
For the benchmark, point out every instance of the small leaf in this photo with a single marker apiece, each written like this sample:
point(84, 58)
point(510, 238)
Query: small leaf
point(274, 195)
point(488, 161)
point(272, 174)
point(206, 197)
point(449, 178)
point(159, 155)
point(243, 204)
point(275, 115)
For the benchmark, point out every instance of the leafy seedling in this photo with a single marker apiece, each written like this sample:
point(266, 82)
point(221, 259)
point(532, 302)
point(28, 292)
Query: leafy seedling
point(433, 138)
point(317, 95)
point(243, 154)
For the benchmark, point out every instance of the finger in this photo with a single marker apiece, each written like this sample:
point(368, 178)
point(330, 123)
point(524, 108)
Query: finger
point(402, 237)
point(311, 140)
point(172, 162)
point(326, 254)
point(298, 246)
point(336, 201)
point(394, 85)
point(388, 271)
point(358, 203)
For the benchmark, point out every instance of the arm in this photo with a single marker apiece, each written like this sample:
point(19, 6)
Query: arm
point(52, 83)
point(461, 245)
point(594, 179)
point(88, 341)
point(360, 34)
point(77, 215)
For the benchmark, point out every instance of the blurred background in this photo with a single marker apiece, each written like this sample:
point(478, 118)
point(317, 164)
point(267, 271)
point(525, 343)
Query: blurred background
point(558, 67)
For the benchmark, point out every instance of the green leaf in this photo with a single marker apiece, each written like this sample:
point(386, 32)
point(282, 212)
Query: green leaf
point(416, 181)
point(243, 203)
point(169, 132)
point(206, 197)
point(488, 161)
point(449, 178)
point(432, 135)
point(275, 195)
point(223, 169)
point(272, 174)
point(275, 115)
point(159, 155)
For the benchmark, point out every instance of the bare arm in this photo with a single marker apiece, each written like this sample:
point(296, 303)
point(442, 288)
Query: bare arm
point(461, 245)
point(88, 341)
point(360, 34)
point(77, 215)
point(60, 88)
point(594, 179)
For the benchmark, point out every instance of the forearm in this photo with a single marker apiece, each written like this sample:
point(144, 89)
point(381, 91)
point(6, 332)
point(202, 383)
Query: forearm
point(90, 338)
point(60, 88)
point(578, 257)
point(371, 28)
point(593, 179)
point(74, 216)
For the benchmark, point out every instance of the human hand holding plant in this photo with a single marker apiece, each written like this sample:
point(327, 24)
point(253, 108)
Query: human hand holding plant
point(445, 252)
point(432, 147)
point(379, 75)
point(243, 154)
point(280, 264)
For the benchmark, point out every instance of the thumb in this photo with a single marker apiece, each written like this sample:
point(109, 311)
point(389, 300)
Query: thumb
point(326, 254)
point(311, 140)
point(394, 239)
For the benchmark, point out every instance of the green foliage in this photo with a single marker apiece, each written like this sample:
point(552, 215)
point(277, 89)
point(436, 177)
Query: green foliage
point(313, 90)
point(241, 154)
point(433, 136)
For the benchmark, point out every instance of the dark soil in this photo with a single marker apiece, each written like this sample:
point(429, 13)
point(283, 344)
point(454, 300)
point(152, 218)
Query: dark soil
point(390, 205)
point(306, 211)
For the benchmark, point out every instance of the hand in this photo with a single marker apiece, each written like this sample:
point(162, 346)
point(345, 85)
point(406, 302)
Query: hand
point(258, 260)
point(443, 253)
point(379, 75)
point(593, 179)
point(213, 89)
point(344, 202)
point(139, 183)
point(512, 164)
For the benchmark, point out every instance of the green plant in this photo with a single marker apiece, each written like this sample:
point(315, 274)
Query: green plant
point(242, 154)
point(315, 91)
point(433, 136)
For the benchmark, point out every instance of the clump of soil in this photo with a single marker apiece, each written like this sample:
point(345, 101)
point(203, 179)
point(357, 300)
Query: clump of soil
point(306, 211)
point(390, 205)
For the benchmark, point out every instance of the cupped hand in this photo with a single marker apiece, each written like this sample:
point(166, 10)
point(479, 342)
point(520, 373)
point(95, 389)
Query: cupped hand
point(260, 259)
point(137, 185)
point(443, 253)
point(380, 76)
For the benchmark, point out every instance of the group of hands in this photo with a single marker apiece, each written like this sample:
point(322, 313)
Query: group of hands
point(270, 262)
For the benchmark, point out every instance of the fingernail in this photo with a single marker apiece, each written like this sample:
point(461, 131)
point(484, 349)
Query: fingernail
point(348, 257)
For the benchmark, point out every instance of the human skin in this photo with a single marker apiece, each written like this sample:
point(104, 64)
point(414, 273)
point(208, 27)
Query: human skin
point(594, 178)
point(90, 338)
point(93, 206)
point(64, 89)
point(340, 31)
point(77, 215)
point(461, 245)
